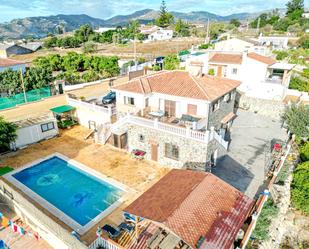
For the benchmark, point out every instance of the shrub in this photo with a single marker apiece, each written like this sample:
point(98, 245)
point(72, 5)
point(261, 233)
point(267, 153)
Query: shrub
point(304, 152)
point(281, 55)
point(204, 46)
point(300, 188)
point(299, 84)
point(211, 71)
point(171, 62)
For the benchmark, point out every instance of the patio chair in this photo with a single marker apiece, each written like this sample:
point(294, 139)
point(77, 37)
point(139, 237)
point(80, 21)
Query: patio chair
point(130, 218)
point(138, 154)
point(112, 232)
point(126, 227)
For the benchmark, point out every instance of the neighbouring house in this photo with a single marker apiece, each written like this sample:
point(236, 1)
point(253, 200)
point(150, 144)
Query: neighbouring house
point(103, 29)
point(275, 42)
point(155, 33)
point(11, 64)
point(35, 129)
point(261, 76)
point(178, 119)
point(241, 45)
point(187, 209)
point(8, 49)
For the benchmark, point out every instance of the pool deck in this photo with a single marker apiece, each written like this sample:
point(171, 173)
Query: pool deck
point(137, 175)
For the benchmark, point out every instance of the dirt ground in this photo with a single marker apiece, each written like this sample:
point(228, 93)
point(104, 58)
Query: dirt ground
point(147, 50)
point(137, 175)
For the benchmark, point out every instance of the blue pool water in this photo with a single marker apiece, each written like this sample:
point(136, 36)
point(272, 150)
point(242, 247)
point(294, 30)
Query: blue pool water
point(79, 195)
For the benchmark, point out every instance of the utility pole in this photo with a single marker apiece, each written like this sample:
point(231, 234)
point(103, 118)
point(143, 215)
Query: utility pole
point(23, 85)
point(207, 33)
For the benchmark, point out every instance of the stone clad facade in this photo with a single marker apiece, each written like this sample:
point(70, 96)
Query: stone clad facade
point(225, 107)
point(192, 154)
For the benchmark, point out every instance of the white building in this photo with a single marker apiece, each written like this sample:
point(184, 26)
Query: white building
point(261, 76)
point(160, 35)
point(35, 129)
point(275, 42)
point(240, 45)
point(103, 29)
point(306, 14)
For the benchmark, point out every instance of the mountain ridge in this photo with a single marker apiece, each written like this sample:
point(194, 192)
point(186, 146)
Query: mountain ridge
point(40, 26)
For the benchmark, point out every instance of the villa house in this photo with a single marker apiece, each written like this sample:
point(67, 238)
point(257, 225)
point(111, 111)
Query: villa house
point(261, 76)
point(155, 33)
point(176, 118)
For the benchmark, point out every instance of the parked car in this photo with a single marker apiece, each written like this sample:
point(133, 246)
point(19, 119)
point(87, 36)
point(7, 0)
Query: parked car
point(109, 98)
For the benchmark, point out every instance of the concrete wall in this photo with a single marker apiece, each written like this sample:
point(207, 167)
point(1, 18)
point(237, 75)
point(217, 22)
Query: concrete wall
point(55, 234)
point(192, 154)
point(33, 134)
point(225, 108)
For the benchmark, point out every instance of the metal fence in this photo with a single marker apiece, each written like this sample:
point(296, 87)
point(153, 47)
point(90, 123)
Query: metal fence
point(20, 98)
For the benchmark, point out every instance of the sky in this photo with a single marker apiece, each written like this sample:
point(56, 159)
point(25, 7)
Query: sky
point(11, 9)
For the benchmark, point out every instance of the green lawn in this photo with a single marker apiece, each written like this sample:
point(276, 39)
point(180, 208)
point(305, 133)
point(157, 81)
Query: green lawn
point(5, 170)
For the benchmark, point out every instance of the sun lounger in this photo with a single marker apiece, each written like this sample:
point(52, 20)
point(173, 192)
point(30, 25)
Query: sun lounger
point(130, 218)
point(111, 231)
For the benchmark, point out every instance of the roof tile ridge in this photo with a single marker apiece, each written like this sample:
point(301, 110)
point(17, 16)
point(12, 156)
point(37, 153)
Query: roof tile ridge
point(199, 85)
point(141, 85)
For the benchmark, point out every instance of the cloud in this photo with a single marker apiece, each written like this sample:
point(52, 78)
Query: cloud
point(10, 9)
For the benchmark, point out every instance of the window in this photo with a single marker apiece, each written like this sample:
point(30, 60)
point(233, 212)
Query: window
point(47, 126)
point(234, 71)
point(171, 151)
point(128, 101)
point(215, 106)
point(141, 138)
point(227, 97)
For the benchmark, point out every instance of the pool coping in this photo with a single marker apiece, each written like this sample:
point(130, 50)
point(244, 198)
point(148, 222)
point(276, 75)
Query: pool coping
point(57, 212)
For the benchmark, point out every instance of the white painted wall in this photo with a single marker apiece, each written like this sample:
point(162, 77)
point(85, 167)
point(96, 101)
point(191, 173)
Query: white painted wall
point(156, 101)
point(33, 134)
point(203, 58)
point(85, 115)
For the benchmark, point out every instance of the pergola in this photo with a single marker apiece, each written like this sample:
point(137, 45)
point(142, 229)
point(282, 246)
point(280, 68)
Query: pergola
point(65, 115)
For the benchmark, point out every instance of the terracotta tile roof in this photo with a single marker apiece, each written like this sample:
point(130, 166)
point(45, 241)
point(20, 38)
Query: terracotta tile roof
point(193, 204)
point(9, 62)
point(226, 58)
point(181, 83)
point(261, 58)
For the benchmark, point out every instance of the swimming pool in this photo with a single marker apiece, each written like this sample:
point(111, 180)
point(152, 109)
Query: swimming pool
point(71, 191)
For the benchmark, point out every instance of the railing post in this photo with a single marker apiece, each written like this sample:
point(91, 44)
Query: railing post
point(206, 137)
point(187, 131)
point(156, 123)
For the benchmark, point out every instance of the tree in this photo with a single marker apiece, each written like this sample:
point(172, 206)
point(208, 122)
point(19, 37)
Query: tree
point(303, 41)
point(297, 119)
point(83, 33)
point(7, 134)
point(295, 9)
point(181, 28)
point(10, 81)
point(235, 22)
point(171, 62)
point(300, 187)
point(37, 78)
point(165, 19)
point(90, 47)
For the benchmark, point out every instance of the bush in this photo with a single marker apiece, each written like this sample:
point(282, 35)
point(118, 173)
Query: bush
point(300, 188)
point(171, 62)
point(211, 71)
point(204, 46)
point(281, 55)
point(299, 84)
point(304, 152)
point(304, 41)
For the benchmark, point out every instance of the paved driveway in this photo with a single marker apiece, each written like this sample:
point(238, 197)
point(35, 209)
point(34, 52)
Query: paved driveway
point(244, 165)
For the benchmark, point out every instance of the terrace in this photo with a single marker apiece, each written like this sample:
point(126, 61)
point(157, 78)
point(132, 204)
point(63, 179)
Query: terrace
point(137, 175)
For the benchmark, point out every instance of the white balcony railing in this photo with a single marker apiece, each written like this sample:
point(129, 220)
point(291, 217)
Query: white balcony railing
point(105, 243)
point(205, 137)
point(91, 106)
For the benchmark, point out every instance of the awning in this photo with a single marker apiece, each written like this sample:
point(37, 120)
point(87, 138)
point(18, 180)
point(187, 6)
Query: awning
point(282, 66)
point(62, 109)
point(228, 118)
